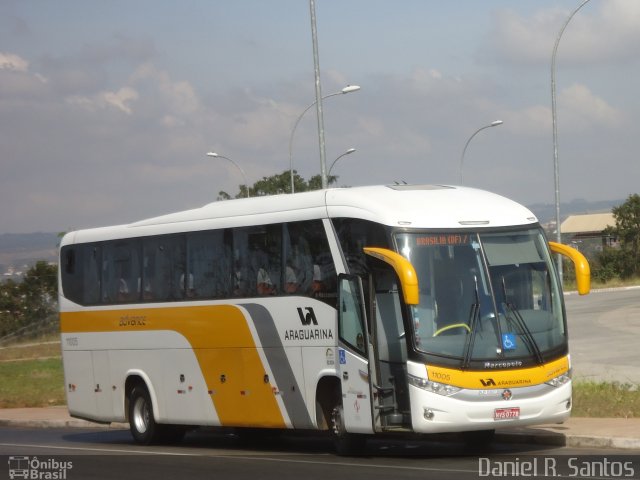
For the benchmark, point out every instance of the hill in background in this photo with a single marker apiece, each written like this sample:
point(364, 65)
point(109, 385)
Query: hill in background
point(546, 212)
point(18, 250)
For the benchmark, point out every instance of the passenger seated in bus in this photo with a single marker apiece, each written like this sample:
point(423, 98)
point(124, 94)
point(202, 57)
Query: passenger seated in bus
point(299, 265)
point(291, 284)
point(239, 287)
point(264, 284)
point(123, 290)
point(146, 293)
point(317, 285)
point(189, 289)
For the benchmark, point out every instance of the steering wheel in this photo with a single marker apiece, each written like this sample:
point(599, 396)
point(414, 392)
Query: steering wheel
point(451, 327)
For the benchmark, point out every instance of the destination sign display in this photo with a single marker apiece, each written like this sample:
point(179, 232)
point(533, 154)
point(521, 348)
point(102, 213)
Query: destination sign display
point(442, 239)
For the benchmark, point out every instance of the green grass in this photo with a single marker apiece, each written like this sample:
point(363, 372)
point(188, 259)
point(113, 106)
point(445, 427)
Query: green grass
point(610, 400)
point(569, 283)
point(31, 351)
point(31, 383)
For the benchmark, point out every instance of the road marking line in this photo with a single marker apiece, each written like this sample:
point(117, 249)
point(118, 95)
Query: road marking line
point(241, 457)
point(349, 464)
point(103, 450)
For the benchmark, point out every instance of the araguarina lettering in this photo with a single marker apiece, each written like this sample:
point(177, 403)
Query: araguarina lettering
point(309, 334)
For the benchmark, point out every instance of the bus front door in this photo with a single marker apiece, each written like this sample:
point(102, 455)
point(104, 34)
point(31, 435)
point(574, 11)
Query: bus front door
point(354, 354)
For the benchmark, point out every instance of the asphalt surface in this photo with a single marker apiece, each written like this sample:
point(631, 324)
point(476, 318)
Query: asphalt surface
point(102, 454)
point(615, 433)
point(604, 328)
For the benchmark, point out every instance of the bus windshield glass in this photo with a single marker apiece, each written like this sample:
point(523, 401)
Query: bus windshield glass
point(485, 297)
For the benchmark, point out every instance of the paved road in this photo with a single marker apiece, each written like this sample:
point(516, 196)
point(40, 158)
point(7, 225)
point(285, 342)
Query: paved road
point(604, 335)
point(102, 454)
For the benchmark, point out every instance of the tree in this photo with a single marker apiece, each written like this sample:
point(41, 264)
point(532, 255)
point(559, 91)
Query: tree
point(32, 300)
point(40, 290)
point(11, 311)
point(626, 260)
point(279, 183)
point(605, 267)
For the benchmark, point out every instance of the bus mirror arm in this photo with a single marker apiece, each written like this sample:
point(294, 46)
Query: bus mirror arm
point(403, 267)
point(583, 272)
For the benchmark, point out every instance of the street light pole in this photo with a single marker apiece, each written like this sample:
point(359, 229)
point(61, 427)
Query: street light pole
point(556, 165)
point(348, 152)
point(216, 155)
point(347, 89)
point(492, 124)
point(316, 63)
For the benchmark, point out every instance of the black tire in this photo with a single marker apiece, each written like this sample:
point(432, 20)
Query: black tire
point(142, 424)
point(346, 444)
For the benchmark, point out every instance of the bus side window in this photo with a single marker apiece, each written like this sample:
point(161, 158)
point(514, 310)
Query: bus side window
point(120, 271)
point(243, 280)
point(164, 276)
point(308, 257)
point(351, 323)
point(209, 258)
point(71, 270)
point(91, 273)
point(81, 273)
point(299, 266)
point(265, 255)
point(354, 235)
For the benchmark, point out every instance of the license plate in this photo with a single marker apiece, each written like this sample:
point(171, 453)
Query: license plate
point(506, 413)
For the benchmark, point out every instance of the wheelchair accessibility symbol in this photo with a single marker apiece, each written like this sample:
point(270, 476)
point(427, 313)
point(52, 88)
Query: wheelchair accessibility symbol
point(509, 341)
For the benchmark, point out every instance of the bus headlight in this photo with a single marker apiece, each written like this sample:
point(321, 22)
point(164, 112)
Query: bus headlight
point(560, 379)
point(433, 387)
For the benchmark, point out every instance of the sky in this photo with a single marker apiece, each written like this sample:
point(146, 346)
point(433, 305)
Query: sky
point(107, 109)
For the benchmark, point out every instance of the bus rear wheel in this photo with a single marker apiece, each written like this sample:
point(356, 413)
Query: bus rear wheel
point(142, 424)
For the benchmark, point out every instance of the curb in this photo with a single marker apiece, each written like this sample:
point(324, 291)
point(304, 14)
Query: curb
point(604, 290)
point(585, 441)
point(573, 441)
point(62, 423)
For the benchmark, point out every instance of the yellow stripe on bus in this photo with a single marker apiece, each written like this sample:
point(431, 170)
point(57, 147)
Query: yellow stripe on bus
point(223, 344)
point(492, 379)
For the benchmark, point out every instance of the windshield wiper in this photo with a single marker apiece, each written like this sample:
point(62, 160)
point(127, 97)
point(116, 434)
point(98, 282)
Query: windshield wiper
point(527, 336)
point(474, 315)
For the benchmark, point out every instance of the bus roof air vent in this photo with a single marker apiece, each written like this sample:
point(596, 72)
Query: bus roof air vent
point(473, 222)
point(419, 187)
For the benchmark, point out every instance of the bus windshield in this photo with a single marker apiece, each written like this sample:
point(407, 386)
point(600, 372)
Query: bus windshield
point(491, 298)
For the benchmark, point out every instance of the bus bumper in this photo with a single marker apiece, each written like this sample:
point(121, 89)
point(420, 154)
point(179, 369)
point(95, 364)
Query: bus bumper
point(495, 409)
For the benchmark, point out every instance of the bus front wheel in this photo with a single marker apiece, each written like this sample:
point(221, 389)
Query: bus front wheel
point(345, 443)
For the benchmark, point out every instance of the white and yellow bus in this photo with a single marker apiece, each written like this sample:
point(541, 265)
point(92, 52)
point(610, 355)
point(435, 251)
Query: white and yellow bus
point(402, 308)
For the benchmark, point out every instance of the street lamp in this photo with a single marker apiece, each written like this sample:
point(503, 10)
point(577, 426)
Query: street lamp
point(556, 165)
point(316, 72)
point(215, 155)
point(348, 152)
point(492, 124)
point(347, 89)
